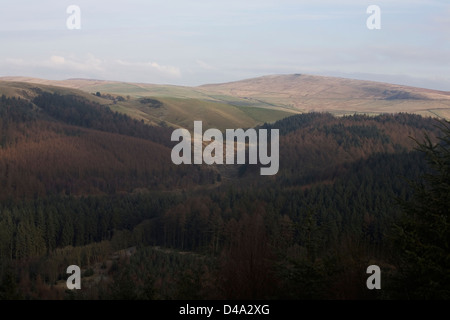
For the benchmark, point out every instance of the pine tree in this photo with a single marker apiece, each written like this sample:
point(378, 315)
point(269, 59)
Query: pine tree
point(6, 235)
point(423, 237)
point(8, 287)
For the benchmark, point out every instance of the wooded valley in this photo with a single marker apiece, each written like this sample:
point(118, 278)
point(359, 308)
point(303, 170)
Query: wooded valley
point(81, 184)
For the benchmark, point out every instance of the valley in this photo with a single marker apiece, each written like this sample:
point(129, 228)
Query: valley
point(86, 173)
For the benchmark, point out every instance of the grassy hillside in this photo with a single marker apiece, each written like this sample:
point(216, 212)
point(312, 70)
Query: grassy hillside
point(287, 93)
point(336, 95)
point(29, 90)
point(180, 106)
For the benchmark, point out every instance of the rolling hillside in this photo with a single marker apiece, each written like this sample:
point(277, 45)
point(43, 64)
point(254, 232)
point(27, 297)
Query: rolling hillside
point(308, 93)
point(176, 106)
point(287, 94)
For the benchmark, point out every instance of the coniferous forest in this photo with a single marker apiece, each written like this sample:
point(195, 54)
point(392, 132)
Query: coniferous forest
point(84, 185)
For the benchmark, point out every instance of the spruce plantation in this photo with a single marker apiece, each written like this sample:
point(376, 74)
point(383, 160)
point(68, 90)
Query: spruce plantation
point(87, 186)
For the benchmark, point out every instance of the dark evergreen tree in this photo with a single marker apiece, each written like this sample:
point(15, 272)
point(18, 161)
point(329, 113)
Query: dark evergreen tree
point(8, 286)
point(423, 237)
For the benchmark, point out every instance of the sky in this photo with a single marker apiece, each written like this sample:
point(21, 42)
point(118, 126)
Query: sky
point(194, 42)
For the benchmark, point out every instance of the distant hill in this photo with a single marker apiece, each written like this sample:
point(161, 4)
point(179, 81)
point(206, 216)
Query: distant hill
point(308, 93)
point(287, 94)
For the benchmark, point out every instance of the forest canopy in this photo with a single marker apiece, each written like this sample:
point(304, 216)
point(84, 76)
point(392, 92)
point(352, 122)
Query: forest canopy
point(82, 184)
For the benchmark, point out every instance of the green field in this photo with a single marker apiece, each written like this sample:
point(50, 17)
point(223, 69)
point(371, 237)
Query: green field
point(183, 112)
point(180, 106)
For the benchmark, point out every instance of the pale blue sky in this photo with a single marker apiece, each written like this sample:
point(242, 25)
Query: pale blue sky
point(206, 41)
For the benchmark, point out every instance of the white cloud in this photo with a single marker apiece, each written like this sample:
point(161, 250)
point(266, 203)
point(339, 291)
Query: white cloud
point(57, 60)
point(93, 67)
point(205, 65)
point(169, 71)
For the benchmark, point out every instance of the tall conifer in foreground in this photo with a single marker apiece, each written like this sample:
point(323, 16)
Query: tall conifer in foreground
point(423, 237)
